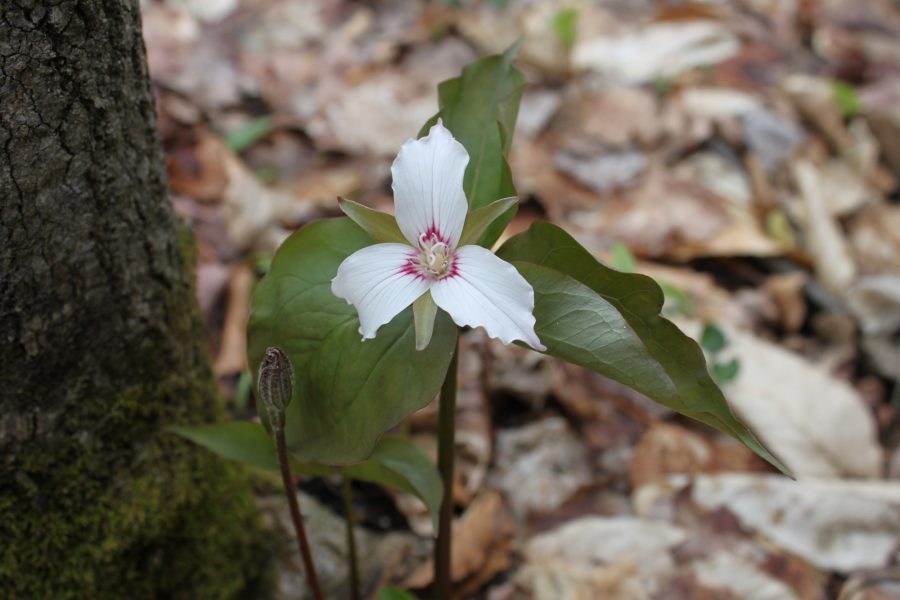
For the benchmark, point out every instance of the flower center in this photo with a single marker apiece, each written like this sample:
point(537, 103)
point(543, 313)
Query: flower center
point(435, 256)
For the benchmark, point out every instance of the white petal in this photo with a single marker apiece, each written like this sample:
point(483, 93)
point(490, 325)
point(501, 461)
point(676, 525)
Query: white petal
point(488, 292)
point(428, 186)
point(377, 281)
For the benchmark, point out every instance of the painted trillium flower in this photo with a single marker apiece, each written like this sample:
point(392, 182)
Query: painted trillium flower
point(429, 257)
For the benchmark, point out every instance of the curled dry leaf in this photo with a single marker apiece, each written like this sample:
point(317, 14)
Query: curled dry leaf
point(803, 413)
point(680, 219)
point(606, 172)
point(482, 546)
point(815, 100)
point(883, 584)
point(737, 576)
point(826, 243)
point(666, 449)
point(257, 217)
point(836, 525)
point(786, 291)
point(232, 356)
point(617, 116)
point(875, 238)
point(656, 51)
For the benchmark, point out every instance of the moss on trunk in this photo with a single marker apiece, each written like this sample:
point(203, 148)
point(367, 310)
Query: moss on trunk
point(101, 343)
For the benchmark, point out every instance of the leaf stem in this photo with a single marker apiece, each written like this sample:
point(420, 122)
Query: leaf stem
point(446, 443)
point(346, 485)
point(291, 492)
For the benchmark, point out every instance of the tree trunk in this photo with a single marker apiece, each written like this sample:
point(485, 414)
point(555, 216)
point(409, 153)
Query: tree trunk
point(101, 344)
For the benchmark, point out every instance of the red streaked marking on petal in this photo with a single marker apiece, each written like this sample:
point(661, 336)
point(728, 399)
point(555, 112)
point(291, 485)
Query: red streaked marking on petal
point(434, 233)
point(410, 268)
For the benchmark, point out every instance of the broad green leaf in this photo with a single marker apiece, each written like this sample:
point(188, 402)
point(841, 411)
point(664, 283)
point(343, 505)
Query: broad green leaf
point(478, 220)
point(382, 227)
point(400, 464)
point(250, 133)
point(609, 322)
point(480, 108)
point(246, 442)
point(396, 462)
point(347, 391)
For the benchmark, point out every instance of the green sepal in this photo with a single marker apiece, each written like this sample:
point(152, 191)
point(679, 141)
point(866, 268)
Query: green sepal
point(480, 219)
point(381, 226)
point(424, 312)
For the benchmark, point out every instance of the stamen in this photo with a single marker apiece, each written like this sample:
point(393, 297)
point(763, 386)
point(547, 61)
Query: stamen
point(435, 255)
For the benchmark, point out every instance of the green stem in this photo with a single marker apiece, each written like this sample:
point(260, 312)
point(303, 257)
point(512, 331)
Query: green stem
point(347, 490)
point(446, 442)
point(291, 492)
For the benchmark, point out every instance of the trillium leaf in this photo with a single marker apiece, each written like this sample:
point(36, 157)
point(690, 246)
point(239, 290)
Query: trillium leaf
point(478, 220)
point(400, 464)
point(480, 108)
point(246, 442)
point(382, 227)
point(396, 462)
point(609, 322)
point(347, 391)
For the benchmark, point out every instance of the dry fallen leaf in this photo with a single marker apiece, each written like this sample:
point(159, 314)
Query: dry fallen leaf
point(735, 575)
point(232, 357)
point(836, 525)
point(655, 51)
point(679, 218)
point(482, 545)
point(625, 557)
point(539, 466)
point(826, 242)
point(665, 449)
point(605, 172)
point(616, 116)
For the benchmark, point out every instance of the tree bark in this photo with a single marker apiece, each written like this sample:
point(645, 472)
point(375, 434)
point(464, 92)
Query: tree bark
point(101, 344)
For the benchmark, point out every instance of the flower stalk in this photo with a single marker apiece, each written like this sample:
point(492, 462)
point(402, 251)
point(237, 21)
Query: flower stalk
point(347, 492)
point(276, 383)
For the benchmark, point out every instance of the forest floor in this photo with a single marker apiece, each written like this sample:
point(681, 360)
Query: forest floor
point(744, 153)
